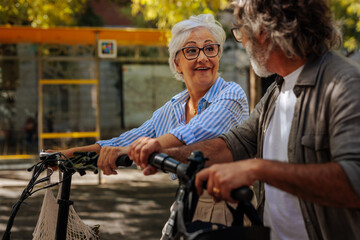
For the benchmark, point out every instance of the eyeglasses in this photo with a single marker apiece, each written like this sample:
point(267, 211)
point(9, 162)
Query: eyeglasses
point(191, 53)
point(237, 33)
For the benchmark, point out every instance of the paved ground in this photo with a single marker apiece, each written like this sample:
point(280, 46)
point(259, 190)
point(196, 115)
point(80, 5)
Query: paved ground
point(127, 206)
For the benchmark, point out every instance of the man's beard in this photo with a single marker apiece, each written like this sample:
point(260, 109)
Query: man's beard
point(258, 59)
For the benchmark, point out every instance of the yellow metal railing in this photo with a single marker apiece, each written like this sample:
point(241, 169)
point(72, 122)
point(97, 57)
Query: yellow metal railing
point(16, 156)
point(59, 135)
point(70, 135)
point(67, 81)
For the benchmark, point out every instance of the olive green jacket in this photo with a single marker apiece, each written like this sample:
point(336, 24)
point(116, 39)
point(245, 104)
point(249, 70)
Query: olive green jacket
point(325, 128)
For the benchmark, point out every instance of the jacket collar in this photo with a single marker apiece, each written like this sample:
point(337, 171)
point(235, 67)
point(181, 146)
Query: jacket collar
point(308, 76)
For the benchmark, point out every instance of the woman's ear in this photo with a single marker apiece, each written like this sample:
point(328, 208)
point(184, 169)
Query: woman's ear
point(178, 69)
point(176, 63)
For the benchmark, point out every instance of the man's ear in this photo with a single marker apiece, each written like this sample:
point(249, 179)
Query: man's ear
point(262, 37)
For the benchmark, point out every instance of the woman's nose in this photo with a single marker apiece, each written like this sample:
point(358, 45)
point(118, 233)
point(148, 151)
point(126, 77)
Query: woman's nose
point(202, 57)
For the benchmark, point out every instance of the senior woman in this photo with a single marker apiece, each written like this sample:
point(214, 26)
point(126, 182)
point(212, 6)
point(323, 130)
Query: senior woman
point(195, 50)
point(207, 108)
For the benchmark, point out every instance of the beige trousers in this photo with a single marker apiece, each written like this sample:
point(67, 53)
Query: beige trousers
point(208, 210)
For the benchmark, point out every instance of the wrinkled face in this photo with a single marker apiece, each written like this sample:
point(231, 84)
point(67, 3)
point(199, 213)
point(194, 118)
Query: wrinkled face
point(202, 71)
point(258, 58)
point(259, 55)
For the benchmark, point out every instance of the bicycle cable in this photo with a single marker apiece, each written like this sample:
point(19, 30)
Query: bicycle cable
point(37, 169)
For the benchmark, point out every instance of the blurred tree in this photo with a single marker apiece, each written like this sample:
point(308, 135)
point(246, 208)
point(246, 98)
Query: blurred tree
point(166, 13)
point(161, 13)
point(348, 13)
point(89, 18)
point(44, 13)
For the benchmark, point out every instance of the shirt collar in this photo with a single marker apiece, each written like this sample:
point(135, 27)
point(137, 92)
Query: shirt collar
point(209, 96)
point(290, 79)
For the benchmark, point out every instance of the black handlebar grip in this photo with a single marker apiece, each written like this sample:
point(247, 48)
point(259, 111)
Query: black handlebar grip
point(242, 194)
point(123, 161)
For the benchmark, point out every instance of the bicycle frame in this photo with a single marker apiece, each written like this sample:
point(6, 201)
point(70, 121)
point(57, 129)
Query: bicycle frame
point(64, 204)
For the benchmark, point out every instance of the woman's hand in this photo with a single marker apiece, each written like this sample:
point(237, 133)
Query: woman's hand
point(67, 152)
point(140, 151)
point(107, 159)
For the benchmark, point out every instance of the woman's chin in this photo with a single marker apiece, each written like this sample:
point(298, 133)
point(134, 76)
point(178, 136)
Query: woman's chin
point(204, 74)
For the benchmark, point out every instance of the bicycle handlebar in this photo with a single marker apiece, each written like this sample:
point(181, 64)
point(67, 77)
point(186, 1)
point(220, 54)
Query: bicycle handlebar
point(166, 163)
point(160, 161)
point(123, 161)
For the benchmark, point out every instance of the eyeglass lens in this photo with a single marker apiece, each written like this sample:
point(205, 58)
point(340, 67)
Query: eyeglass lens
point(209, 50)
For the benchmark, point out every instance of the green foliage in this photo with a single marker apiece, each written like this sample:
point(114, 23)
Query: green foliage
point(137, 20)
point(148, 13)
point(165, 13)
point(168, 12)
point(44, 13)
point(348, 13)
point(89, 18)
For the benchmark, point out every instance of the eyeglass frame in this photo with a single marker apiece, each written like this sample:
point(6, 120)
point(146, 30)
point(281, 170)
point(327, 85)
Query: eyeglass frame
point(237, 29)
point(200, 49)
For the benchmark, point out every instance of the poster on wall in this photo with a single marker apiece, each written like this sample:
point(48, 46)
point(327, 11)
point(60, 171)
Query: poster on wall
point(107, 48)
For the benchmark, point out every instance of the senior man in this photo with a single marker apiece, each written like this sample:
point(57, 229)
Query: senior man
point(302, 140)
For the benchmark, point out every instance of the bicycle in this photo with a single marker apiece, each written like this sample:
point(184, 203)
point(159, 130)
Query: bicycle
point(180, 221)
point(186, 198)
point(68, 167)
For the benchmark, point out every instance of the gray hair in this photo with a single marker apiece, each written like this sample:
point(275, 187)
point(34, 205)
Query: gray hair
point(181, 31)
point(299, 28)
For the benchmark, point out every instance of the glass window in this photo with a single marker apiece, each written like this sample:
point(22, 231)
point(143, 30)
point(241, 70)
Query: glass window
point(147, 88)
point(18, 106)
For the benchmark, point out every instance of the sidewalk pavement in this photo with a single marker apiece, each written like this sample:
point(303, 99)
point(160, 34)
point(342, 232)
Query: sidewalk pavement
point(127, 206)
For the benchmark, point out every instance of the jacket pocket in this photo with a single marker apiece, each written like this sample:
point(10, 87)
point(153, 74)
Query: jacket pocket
point(316, 142)
point(316, 148)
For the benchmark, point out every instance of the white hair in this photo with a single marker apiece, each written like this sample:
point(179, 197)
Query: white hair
point(181, 31)
point(299, 28)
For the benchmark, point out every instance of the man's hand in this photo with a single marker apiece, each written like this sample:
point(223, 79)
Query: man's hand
point(107, 159)
point(223, 178)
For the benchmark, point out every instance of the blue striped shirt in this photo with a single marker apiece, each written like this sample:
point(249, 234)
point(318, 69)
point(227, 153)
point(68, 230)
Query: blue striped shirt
point(221, 108)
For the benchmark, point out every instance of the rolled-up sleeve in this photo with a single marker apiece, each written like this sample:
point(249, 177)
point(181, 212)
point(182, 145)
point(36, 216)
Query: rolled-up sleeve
point(147, 129)
point(345, 128)
point(227, 111)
